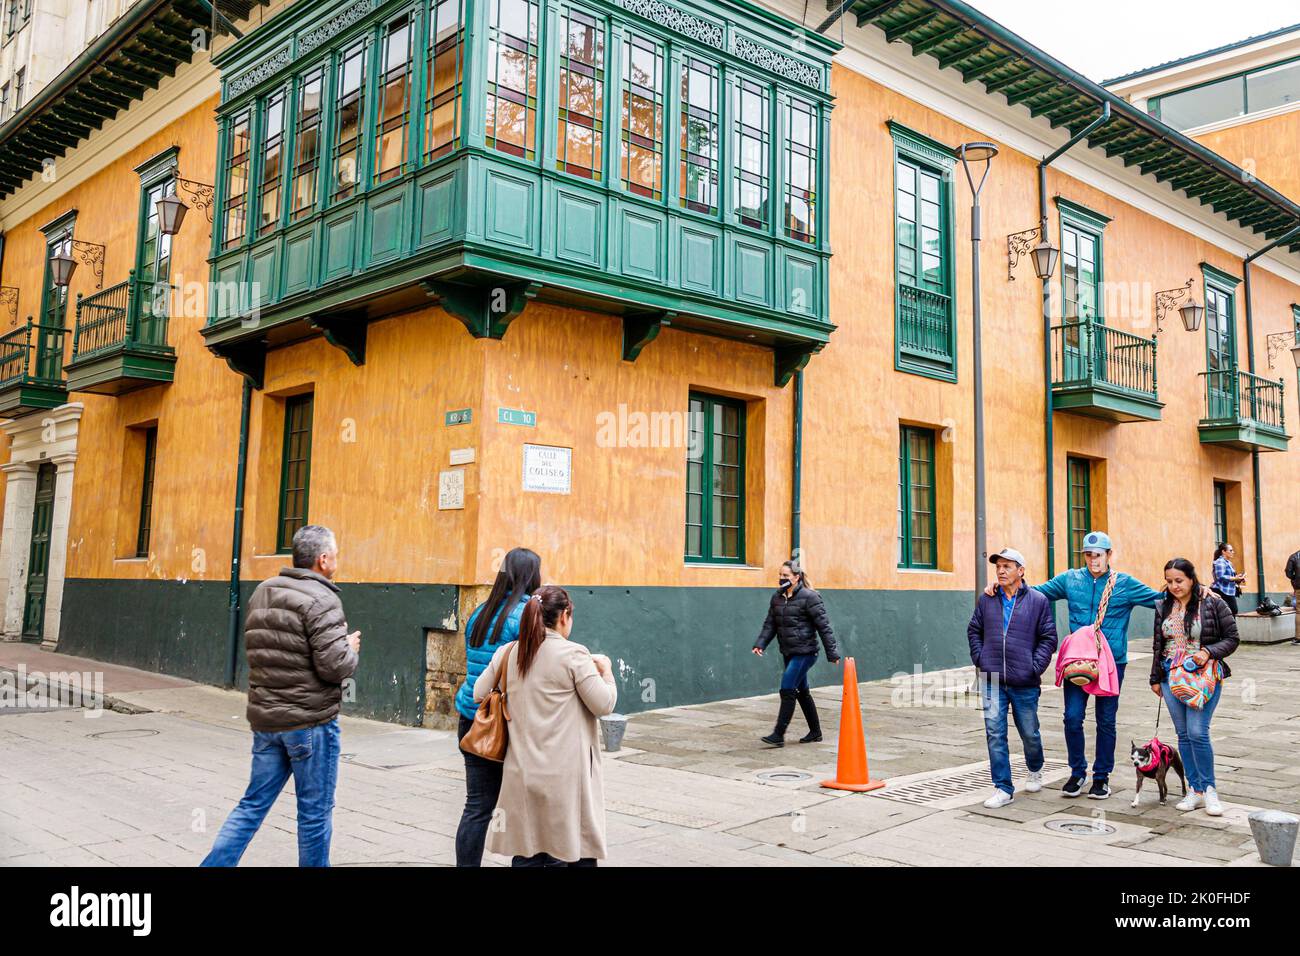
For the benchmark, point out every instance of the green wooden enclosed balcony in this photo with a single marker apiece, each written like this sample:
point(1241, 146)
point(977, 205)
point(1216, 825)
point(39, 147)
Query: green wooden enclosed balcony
point(120, 341)
point(666, 163)
point(1104, 373)
point(31, 369)
point(1243, 411)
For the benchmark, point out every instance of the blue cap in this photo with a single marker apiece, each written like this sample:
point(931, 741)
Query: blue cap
point(1096, 541)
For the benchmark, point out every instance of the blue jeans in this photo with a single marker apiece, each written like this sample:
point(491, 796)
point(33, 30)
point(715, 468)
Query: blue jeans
point(1023, 703)
point(312, 756)
point(795, 675)
point(1193, 728)
point(1076, 705)
point(482, 787)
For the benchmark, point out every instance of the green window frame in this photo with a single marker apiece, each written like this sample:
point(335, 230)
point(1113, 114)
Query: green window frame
point(700, 124)
point(54, 302)
point(1078, 472)
point(347, 172)
point(1082, 264)
point(145, 528)
point(580, 119)
point(918, 531)
point(513, 54)
point(1220, 512)
point(925, 326)
point(239, 161)
point(753, 145)
point(1295, 319)
point(309, 105)
point(642, 138)
point(151, 299)
point(715, 480)
point(271, 164)
point(801, 170)
point(444, 77)
point(295, 469)
point(393, 111)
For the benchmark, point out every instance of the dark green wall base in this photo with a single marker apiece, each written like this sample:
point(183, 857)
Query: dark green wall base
point(670, 646)
point(180, 628)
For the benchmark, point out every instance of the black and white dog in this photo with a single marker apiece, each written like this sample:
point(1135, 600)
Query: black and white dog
point(1153, 761)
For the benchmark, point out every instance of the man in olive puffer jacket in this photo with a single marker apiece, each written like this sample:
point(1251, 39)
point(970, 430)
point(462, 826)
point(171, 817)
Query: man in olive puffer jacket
point(299, 653)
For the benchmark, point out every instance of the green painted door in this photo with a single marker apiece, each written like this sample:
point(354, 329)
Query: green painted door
point(38, 561)
point(1220, 355)
point(54, 310)
point(1080, 274)
point(153, 269)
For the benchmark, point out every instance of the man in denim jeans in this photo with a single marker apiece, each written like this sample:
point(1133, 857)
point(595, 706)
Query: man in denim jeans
point(299, 653)
point(1012, 637)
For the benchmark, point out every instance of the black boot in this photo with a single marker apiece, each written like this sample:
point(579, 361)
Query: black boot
point(809, 709)
point(777, 737)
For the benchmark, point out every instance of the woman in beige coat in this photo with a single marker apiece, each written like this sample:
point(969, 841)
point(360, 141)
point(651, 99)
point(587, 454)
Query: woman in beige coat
point(551, 811)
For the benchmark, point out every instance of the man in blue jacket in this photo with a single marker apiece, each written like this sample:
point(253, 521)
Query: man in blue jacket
point(1012, 637)
point(1082, 589)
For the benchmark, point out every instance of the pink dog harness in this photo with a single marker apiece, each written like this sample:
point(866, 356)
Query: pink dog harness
point(1159, 751)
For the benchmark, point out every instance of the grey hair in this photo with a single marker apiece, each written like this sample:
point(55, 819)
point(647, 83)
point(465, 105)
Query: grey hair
point(310, 542)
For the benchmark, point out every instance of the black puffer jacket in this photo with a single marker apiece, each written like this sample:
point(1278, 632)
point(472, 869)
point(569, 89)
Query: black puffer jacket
point(296, 639)
point(796, 621)
point(1218, 634)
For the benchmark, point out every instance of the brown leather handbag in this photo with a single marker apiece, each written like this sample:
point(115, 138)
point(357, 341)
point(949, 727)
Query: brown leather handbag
point(489, 735)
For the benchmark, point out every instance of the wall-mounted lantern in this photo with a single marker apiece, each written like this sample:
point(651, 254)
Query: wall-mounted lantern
point(171, 214)
point(1044, 255)
point(1190, 311)
point(64, 264)
point(62, 267)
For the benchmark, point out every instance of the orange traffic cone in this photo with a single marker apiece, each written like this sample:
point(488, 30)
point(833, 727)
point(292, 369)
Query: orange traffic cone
point(851, 769)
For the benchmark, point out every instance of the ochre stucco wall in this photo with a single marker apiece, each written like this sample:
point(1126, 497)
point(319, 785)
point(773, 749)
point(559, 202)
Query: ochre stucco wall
point(1265, 148)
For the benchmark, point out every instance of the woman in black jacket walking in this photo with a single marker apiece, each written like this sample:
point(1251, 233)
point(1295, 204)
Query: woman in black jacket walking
point(1196, 626)
point(796, 617)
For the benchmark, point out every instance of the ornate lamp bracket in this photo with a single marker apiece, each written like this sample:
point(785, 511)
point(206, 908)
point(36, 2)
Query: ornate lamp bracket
point(1167, 299)
point(201, 195)
point(9, 300)
point(91, 254)
point(1278, 343)
point(1019, 244)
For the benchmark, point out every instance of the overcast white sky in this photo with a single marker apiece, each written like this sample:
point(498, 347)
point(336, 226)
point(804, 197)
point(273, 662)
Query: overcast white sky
point(1107, 38)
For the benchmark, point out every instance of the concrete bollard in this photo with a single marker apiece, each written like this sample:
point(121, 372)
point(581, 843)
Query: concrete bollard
point(612, 729)
point(1275, 835)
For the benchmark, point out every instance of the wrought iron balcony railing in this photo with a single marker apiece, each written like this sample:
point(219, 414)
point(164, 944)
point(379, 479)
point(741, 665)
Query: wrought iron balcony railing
point(925, 322)
point(32, 354)
point(1242, 399)
point(1088, 355)
point(131, 313)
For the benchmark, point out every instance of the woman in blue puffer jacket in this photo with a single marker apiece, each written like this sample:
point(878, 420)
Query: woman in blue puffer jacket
point(494, 622)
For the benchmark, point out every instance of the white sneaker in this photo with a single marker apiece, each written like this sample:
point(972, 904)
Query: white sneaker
point(1034, 782)
point(1212, 805)
point(1189, 802)
point(999, 800)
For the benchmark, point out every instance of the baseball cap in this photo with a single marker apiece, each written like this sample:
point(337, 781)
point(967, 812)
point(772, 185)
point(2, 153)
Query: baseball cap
point(1011, 554)
point(1096, 541)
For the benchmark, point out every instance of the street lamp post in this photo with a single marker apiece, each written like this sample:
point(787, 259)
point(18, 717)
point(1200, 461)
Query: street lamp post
point(973, 154)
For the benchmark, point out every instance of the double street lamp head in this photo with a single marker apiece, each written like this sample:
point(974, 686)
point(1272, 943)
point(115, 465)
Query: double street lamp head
point(976, 153)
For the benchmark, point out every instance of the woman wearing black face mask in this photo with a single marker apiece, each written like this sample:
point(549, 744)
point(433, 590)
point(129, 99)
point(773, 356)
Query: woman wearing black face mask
point(796, 618)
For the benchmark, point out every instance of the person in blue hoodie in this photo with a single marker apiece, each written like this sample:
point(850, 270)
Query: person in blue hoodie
point(493, 624)
point(1012, 637)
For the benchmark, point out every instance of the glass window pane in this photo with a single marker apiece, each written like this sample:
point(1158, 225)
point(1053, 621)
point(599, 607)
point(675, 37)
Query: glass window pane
point(1211, 103)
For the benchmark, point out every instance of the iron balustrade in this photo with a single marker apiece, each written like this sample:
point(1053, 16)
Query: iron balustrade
point(925, 321)
point(1235, 397)
point(32, 354)
point(131, 313)
point(1089, 354)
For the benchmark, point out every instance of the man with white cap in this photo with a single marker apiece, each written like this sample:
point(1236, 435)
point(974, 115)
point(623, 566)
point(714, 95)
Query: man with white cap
point(1012, 637)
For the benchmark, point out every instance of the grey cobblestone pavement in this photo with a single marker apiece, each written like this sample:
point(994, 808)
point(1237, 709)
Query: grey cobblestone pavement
point(152, 787)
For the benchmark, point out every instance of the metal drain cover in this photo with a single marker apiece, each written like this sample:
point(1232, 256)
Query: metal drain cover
point(783, 776)
point(1080, 827)
point(123, 734)
point(960, 785)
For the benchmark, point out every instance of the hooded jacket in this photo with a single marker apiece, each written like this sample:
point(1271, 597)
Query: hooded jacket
point(296, 639)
